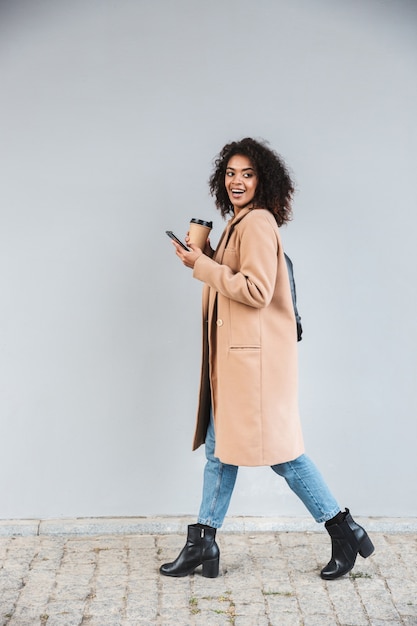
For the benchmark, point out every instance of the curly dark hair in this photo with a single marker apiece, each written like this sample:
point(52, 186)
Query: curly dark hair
point(275, 187)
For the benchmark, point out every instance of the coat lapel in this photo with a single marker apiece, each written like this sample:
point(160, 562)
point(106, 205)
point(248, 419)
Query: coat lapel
point(209, 298)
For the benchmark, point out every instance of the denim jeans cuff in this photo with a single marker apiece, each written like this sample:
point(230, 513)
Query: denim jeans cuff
point(211, 523)
point(326, 516)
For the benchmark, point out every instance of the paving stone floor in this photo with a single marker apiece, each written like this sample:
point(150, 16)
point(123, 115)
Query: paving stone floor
point(266, 579)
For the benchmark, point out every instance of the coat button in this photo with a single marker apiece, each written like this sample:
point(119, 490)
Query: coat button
point(219, 322)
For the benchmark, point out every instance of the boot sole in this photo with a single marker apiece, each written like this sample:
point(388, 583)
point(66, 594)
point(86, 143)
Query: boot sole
point(210, 570)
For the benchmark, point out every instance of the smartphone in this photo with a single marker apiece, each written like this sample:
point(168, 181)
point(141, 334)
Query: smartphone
point(178, 241)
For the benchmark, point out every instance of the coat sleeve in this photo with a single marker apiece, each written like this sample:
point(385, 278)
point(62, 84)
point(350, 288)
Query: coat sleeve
point(254, 283)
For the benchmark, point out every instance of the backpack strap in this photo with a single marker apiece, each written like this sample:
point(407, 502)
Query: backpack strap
point(294, 296)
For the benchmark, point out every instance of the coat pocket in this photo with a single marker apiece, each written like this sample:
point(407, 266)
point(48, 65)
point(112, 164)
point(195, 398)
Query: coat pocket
point(242, 378)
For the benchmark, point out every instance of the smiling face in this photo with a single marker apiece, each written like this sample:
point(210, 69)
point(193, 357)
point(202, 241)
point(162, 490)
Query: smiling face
point(241, 181)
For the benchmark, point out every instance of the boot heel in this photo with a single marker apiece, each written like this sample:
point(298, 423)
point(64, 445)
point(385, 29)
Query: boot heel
point(211, 568)
point(367, 547)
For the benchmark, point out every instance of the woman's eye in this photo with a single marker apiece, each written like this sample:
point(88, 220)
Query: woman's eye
point(229, 173)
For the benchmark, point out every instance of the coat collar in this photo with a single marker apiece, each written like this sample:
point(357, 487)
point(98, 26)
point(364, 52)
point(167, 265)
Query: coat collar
point(226, 233)
point(236, 218)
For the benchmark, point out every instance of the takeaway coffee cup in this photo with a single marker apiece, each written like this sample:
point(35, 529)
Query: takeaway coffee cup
point(199, 231)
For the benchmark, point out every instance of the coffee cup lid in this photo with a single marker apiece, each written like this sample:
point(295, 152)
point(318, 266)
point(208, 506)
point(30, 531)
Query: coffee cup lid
point(202, 222)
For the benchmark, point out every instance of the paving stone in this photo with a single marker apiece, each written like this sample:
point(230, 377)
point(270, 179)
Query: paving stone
point(64, 620)
point(319, 620)
point(346, 602)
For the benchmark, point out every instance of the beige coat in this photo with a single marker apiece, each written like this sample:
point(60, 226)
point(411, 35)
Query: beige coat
point(249, 365)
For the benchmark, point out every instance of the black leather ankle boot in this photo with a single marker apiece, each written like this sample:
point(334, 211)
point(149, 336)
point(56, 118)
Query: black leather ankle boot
point(200, 549)
point(348, 539)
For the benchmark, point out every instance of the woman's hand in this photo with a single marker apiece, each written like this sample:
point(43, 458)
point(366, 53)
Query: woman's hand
point(188, 258)
point(207, 250)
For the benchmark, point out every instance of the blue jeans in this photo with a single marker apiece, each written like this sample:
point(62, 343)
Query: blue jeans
point(301, 475)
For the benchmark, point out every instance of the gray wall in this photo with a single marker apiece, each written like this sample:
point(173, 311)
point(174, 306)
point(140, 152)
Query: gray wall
point(111, 114)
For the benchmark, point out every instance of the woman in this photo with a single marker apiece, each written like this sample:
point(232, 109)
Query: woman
point(248, 407)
